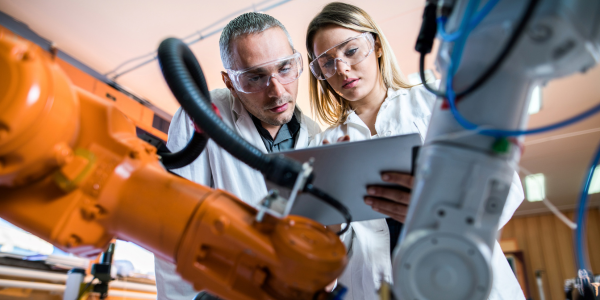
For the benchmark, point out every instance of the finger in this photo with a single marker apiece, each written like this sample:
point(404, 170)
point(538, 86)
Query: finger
point(334, 228)
point(325, 142)
point(345, 138)
point(394, 214)
point(402, 179)
point(392, 194)
point(398, 217)
point(391, 207)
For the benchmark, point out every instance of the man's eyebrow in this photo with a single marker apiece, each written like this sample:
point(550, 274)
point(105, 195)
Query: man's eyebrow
point(258, 70)
point(283, 63)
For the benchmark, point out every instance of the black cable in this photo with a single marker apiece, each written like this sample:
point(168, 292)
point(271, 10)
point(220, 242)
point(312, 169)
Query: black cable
point(423, 81)
point(187, 155)
point(181, 72)
point(508, 47)
point(311, 189)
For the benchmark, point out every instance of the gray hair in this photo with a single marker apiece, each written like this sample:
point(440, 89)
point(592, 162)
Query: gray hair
point(248, 23)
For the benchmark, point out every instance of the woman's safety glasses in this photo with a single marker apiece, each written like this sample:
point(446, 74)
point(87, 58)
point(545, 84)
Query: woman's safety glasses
point(350, 52)
point(255, 79)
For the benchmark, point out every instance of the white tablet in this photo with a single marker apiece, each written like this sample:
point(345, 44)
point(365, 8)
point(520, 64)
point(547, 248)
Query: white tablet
point(343, 170)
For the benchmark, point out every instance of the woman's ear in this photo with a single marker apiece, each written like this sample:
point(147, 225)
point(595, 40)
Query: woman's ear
point(378, 48)
point(228, 84)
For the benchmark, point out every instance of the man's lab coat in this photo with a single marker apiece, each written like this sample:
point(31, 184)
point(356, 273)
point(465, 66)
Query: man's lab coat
point(218, 169)
point(404, 111)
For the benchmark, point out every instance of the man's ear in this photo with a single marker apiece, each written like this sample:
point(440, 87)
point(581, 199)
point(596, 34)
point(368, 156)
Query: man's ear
point(229, 84)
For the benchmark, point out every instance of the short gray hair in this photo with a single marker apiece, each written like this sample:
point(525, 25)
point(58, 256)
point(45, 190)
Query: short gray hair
point(248, 23)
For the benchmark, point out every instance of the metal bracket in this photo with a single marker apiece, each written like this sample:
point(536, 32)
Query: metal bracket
point(278, 206)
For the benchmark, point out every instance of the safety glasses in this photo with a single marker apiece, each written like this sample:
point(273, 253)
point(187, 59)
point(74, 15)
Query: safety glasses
point(350, 52)
point(255, 79)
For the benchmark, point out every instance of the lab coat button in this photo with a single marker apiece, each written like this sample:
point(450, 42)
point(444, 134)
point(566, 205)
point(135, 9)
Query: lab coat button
point(388, 133)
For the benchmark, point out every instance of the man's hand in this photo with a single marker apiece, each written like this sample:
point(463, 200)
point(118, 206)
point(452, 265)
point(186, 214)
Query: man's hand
point(396, 200)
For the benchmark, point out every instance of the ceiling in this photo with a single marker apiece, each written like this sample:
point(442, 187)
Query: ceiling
point(103, 34)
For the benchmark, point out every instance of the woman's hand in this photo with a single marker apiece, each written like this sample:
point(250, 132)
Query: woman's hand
point(396, 200)
point(345, 138)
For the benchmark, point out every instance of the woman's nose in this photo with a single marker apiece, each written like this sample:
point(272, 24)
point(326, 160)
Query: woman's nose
point(342, 66)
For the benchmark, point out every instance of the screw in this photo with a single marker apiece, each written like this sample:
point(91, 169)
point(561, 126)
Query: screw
point(3, 131)
point(134, 154)
point(540, 33)
point(73, 241)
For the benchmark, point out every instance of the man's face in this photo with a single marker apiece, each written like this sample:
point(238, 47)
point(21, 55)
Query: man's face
point(275, 104)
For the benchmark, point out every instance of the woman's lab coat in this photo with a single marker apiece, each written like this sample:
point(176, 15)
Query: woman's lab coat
point(404, 111)
point(216, 168)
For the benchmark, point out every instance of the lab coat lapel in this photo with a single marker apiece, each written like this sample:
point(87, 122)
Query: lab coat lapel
point(246, 128)
point(302, 140)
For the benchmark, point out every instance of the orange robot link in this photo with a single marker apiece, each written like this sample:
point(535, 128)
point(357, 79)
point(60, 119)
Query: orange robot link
point(73, 172)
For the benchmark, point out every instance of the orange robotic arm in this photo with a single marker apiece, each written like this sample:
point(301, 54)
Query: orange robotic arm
point(73, 172)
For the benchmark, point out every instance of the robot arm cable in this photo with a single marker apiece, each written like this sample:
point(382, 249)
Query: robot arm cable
point(334, 203)
point(187, 155)
point(480, 15)
point(582, 261)
point(181, 70)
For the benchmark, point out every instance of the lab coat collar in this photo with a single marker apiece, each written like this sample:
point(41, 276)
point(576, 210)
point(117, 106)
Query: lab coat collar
point(391, 95)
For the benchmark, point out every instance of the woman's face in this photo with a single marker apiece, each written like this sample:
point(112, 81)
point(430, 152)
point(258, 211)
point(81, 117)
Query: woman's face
point(351, 82)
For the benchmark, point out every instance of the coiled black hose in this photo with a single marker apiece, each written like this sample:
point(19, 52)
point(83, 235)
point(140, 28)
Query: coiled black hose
point(198, 142)
point(181, 71)
point(187, 155)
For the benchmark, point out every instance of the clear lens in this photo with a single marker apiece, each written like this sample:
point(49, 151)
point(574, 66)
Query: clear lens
point(256, 79)
point(350, 52)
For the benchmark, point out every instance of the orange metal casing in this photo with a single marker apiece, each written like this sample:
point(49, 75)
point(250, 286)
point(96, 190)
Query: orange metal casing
point(140, 115)
point(73, 172)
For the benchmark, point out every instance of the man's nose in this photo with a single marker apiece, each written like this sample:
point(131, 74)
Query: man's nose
point(275, 88)
point(341, 66)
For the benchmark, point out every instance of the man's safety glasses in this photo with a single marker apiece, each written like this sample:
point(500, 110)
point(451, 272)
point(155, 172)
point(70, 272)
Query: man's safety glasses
point(255, 79)
point(350, 52)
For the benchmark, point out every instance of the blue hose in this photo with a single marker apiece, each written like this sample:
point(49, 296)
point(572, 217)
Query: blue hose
point(582, 261)
point(477, 18)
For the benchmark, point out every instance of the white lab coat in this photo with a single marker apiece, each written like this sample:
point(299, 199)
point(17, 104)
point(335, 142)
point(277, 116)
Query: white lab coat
point(217, 168)
point(404, 111)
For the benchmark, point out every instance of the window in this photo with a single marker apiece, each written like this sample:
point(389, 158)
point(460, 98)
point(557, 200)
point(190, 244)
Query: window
point(595, 183)
point(535, 187)
point(536, 101)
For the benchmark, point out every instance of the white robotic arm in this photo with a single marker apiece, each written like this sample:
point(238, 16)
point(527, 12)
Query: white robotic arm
point(464, 174)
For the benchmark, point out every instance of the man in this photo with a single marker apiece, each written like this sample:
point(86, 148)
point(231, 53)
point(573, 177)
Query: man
point(259, 104)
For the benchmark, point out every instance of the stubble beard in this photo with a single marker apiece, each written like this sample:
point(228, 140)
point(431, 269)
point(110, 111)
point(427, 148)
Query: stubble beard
point(260, 113)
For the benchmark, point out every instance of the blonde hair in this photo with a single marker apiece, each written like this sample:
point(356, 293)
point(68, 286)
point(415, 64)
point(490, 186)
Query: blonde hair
point(330, 107)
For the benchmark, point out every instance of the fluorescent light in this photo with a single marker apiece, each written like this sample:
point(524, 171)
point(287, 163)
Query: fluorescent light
point(595, 183)
point(535, 187)
point(415, 78)
point(536, 101)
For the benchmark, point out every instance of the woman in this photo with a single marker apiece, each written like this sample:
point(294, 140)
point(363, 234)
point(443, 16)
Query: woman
point(357, 88)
